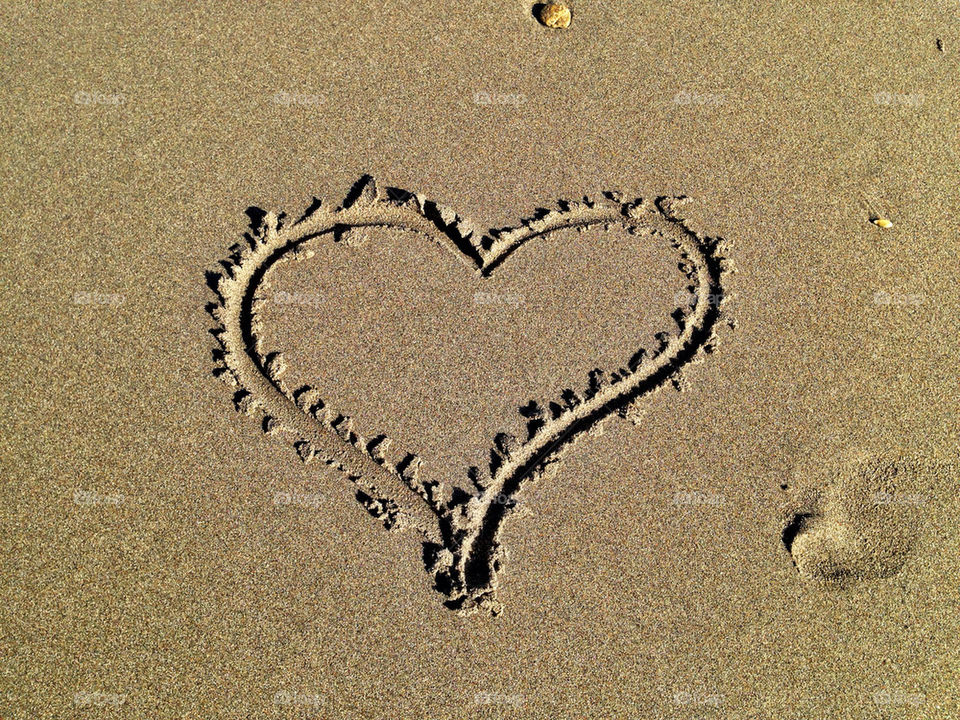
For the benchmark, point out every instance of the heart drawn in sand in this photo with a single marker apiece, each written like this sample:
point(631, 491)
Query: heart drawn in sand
point(460, 529)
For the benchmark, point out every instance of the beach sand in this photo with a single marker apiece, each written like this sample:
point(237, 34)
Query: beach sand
point(776, 537)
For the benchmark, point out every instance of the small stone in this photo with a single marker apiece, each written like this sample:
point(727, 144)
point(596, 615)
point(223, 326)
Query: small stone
point(555, 15)
point(881, 222)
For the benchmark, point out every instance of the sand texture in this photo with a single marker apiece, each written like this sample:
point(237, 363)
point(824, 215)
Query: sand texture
point(420, 360)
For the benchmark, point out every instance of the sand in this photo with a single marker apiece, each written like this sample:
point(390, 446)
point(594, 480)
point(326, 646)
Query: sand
point(755, 518)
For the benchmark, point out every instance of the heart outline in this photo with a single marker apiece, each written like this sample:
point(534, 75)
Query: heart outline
point(460, 531)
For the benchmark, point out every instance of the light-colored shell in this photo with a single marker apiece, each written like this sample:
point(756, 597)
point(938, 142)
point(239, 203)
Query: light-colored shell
point(881, 222)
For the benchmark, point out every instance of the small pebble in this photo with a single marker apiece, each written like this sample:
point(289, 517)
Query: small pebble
point(555, 15)
point(881, 222)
